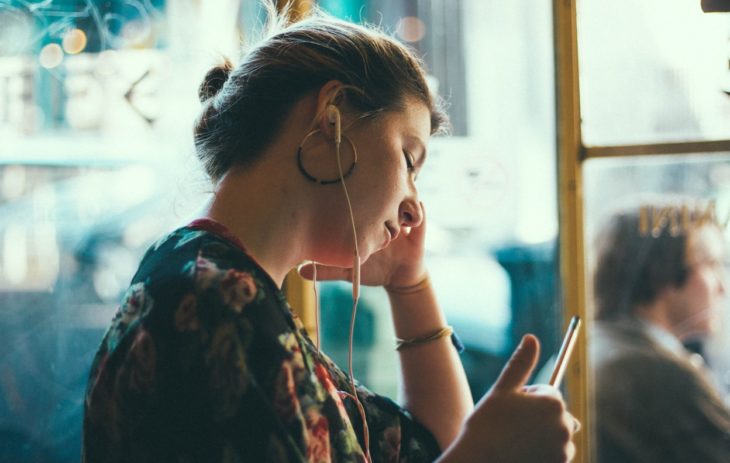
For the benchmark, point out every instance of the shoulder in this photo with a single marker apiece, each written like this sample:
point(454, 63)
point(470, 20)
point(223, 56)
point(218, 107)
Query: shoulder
point(629, 352)
point(627, 367)
point(191, 274)
point(203, 262)
point(618, 341)
point(221, 269)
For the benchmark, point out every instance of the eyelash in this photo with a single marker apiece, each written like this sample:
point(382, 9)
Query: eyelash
point(409, 161)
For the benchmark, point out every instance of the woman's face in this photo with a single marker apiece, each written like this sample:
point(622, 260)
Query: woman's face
point(696, 304)
point(391, 150)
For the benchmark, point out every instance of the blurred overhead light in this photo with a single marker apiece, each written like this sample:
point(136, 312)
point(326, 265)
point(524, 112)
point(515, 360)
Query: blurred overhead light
point(74, 41)
point(13, 182)
point(50, 56)
point(410, 29)
point(15, 253)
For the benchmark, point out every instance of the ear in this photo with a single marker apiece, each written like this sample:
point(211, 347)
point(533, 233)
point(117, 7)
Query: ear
point(329, 94)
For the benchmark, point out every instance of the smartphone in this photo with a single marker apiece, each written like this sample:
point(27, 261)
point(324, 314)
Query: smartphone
point(571, 335)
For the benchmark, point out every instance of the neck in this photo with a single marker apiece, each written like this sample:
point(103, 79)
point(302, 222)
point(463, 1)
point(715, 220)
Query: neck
point(267, 205)
point(657, 314)
point(263, 215)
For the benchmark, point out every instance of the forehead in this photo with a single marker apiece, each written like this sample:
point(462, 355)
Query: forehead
point(418, 117)
point(414, 118)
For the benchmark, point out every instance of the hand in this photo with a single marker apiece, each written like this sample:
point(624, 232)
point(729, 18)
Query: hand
point(515, 424)
point(399, 264)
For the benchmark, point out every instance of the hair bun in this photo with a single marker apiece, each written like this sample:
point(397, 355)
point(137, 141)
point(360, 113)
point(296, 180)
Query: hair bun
point(214, 80)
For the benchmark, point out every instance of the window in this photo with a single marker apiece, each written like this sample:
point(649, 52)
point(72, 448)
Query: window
point(664, 78)
point(654, 109)
point(96, 102)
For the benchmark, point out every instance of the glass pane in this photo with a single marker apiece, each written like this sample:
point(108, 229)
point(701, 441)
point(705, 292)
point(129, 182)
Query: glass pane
point(653, 71)
point(657, 272)
point(489, 190)
point(71, 237)
point(96, 163)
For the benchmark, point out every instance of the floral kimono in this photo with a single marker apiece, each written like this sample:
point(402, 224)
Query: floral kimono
point(204, 362)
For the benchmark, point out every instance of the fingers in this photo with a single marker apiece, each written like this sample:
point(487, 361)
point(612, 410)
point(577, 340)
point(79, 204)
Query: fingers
point(519, 367)
point(571, 451)
point(419, 231)
point(324, 272)
point(571, 423)
point(574, 427)
point(577, 426)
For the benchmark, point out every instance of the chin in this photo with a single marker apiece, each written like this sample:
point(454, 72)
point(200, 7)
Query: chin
point(347, 259)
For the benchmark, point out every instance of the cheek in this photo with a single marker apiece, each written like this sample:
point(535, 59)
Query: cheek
point(706, 289)
point(381, 191)
point(711, 280)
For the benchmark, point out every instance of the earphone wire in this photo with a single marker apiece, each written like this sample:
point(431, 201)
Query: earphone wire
point(316, 305)
point(347, 197)
point(355, 294)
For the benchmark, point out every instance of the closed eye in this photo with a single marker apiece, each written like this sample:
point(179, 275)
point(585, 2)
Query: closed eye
point(409, 161)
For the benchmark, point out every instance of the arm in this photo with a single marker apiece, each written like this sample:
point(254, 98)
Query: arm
point(431, 370)
point(509, 424)
point(434, 387)
point(433, 383)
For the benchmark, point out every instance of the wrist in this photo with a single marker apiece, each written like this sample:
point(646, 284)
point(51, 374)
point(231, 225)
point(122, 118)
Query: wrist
point(445, 332)
point(461, 450)
point(419, 285)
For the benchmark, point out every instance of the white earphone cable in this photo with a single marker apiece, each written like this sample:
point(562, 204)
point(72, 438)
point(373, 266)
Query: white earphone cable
point(355, 293)
point(316, 306)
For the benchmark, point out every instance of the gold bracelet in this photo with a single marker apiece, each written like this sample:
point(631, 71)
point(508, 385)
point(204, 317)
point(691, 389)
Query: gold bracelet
point(438, 334)
point(420, 286)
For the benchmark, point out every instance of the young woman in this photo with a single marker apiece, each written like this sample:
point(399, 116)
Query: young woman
point(313, 142)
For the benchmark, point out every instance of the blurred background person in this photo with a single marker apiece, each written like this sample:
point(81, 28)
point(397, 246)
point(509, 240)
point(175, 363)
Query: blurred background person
point(659, 282)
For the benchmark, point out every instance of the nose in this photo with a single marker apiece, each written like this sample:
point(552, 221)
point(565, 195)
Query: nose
point(410, 213)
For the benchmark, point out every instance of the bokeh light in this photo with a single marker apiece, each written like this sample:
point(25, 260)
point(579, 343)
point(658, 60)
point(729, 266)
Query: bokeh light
point(410, 29)
point(51, 56)
point(74, 41)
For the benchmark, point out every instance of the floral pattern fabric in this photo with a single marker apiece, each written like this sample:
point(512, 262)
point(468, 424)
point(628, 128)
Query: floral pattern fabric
point(204, 362)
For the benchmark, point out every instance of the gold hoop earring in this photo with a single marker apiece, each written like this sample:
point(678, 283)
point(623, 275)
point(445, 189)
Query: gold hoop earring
point(315, 179)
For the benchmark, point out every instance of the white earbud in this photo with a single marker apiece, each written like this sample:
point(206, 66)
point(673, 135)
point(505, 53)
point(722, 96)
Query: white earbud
point(333, 117)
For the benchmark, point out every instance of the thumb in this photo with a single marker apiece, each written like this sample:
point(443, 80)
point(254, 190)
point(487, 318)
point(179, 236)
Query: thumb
point(519, 367)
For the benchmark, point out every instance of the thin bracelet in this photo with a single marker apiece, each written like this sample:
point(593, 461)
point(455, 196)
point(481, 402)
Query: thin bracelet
point(414, 288)
point(438, 334)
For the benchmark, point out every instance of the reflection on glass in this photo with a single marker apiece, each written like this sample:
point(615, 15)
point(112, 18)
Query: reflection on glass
point(657, 285)
point(80, 198)
point(664, 77)
point(71, 237)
